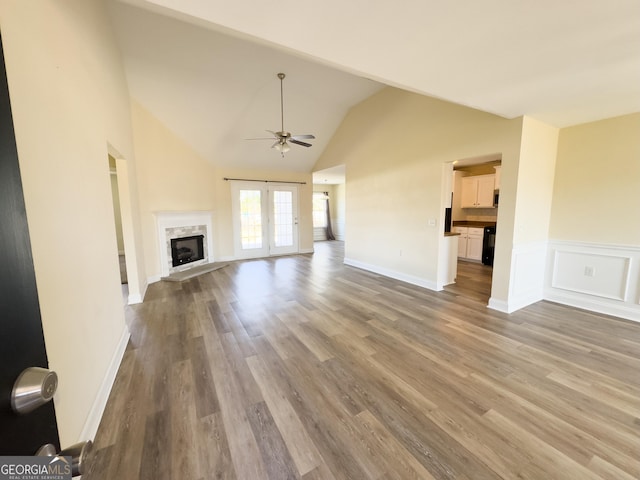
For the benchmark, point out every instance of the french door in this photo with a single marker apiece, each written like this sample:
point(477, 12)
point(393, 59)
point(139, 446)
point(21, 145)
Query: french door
point(265, 219)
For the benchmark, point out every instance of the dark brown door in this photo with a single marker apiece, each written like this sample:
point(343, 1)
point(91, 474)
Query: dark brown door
point(21, 337)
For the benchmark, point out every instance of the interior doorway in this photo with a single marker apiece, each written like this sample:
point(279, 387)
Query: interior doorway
point(117, 216)
point(133, 290)
point(329, 204)
point(472, 215)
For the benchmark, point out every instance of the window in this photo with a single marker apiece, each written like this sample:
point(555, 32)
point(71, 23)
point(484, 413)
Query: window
point(319, 210)
point(251, 218)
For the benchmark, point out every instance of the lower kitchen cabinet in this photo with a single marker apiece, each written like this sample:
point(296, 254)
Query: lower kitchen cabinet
point(469, 242)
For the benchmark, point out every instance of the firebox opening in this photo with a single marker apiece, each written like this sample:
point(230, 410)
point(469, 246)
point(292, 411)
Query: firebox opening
point(186, 250)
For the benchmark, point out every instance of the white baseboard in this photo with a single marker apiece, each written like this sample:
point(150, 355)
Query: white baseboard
point(135, 298)
point(153, 279)
point(306, 250)
point(499, 305)
point(626, 311)
point(514, 304)
point(97, 409)
point(421, 282)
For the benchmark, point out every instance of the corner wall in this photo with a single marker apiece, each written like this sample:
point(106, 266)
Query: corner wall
point(394, 145)
point(594, 248)
point(532, 213)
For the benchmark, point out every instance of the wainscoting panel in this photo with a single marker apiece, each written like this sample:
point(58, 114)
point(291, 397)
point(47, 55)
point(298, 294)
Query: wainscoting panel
point(599, 277)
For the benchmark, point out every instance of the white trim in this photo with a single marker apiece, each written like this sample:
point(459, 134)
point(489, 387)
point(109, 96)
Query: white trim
point(306, 250)
point(499, 305)
point(590, 245)
point(153, 279)
point(627, 311)
point(134, 299)
point(97, 409)
point(421, 282)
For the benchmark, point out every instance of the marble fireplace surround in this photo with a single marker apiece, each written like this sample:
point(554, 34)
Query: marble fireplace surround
point(170, 222)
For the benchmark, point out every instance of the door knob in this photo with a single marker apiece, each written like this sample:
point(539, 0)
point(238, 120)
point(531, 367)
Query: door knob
point(77, 452)
point(33, 388)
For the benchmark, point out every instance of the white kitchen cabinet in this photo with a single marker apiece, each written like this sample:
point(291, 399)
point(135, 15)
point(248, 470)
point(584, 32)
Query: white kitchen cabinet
point(462, 240)
point(469, 242)
point(475, 238)
point(477, 191)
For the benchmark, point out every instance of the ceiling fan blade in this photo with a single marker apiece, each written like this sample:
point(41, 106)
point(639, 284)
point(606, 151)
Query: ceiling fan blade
point(273, 133)
point(275, 144)
point(298, 142)
point(260, 138)
point(300, 137)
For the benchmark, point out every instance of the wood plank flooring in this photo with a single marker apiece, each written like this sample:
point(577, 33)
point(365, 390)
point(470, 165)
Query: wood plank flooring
point(302, 368)
point(473, 281)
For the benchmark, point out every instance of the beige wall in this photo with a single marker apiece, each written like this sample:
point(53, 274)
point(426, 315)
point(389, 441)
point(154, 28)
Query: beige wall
point(394, 174)
point(596, 194)
point(523, 218)
point(174, 177)
point(535, 181)
point(69, 101)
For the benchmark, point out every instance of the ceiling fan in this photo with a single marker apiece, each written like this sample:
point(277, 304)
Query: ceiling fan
point(284, 138)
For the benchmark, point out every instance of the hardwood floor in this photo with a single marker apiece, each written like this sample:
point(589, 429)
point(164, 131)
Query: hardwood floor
point(473, 281)
point(303, 368)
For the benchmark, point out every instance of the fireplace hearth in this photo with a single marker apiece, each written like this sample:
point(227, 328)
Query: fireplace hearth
point(187, 249)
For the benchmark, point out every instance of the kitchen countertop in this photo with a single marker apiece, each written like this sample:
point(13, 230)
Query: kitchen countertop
point(450, 234)
point(472, 223)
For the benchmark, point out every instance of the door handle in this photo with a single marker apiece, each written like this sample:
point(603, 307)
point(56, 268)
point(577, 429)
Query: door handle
point(77, 452)
point(34, 387)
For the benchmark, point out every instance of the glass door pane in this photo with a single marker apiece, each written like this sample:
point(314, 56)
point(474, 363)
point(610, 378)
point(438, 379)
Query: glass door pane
point(284, 220)
point(251, 219)
point(265, 220)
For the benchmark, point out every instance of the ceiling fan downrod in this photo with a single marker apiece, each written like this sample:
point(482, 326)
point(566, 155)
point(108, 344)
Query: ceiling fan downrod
point(281, 77)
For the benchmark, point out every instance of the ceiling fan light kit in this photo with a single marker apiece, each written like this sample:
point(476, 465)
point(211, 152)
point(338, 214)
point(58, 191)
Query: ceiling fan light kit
point(284, 138)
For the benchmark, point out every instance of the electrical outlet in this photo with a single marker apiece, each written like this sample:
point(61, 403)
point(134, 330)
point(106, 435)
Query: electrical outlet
point(432, 222)
point(589, 271)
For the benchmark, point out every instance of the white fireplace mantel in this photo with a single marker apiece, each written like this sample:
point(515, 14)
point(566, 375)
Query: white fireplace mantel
point(165, 220)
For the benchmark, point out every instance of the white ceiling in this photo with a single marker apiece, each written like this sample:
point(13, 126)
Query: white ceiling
point(207, 68)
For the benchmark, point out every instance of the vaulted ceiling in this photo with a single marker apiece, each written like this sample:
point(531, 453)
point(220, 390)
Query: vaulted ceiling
point(207, 69)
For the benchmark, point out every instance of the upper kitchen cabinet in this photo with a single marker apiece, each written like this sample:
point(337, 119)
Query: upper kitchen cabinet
point(477, 191)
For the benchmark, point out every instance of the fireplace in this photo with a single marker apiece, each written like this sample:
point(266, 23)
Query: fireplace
point(180, 225)
point(187, 249)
